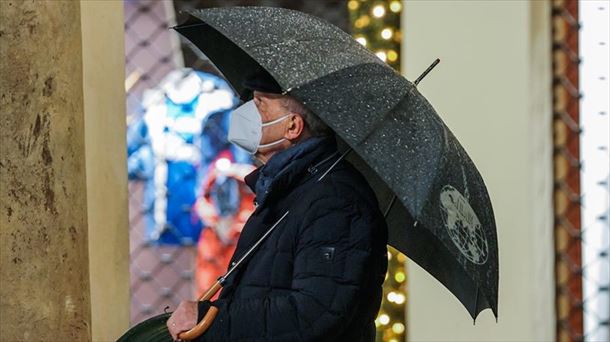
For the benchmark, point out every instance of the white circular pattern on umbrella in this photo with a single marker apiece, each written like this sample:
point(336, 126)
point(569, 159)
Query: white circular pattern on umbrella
point(463, 225)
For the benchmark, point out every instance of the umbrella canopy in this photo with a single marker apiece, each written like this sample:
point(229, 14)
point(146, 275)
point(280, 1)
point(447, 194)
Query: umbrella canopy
point(294, 47)
point(442, 218)
point(153, 329)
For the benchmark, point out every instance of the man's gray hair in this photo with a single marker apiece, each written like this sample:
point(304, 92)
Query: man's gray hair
point(314, 124)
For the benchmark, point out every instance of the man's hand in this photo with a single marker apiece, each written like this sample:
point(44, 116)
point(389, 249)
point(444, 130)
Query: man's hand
point(183, 319)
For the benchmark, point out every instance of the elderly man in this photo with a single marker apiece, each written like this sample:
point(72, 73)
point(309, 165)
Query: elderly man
point(319, 275)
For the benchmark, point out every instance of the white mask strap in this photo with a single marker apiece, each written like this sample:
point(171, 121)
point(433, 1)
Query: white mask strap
point(276, 120)
point(271, 123)
point(272, 143)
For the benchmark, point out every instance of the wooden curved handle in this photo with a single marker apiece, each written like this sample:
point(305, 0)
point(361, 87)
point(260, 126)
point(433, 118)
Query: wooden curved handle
point(201, 327)
point(207, 320)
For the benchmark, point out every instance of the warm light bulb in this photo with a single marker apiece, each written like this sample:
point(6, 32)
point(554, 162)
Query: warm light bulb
point(381, 55)
point(401, 257)
point(399, 298)
point(353, 5)
point(362, 21)
point(378, 11)
point(399, 277)
point(384, 319)
point(361, 40)
point(386, 33)
point(395, 6)
point(392, 56)
point(398, 328)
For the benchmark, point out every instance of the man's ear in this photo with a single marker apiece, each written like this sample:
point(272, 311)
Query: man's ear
point(294, 127)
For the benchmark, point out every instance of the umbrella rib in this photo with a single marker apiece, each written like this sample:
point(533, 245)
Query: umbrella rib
point(186, 26)
point(476, 299)
point(378, 123)
point(387, 211)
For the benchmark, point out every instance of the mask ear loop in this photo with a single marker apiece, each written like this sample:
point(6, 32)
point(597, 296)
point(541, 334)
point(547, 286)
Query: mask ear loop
point(271, 144)
point(269, 124)
point(276, 120)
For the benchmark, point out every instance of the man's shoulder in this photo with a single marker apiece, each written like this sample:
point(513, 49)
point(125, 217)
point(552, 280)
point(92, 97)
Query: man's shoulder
point(343, 201)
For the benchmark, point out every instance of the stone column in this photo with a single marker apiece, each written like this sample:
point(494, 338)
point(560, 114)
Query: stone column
point(63, 207)
point(45, 267)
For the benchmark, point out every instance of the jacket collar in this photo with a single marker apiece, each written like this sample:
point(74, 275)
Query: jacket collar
point(288, 167)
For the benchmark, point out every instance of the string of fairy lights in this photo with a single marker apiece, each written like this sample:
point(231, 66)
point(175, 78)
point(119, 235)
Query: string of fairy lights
point(376, 25)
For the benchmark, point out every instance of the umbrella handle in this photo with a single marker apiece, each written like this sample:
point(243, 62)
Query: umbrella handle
point(207, 320)
point(211, 291)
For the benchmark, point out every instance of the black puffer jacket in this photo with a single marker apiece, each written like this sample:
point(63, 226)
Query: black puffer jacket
point(318, 276)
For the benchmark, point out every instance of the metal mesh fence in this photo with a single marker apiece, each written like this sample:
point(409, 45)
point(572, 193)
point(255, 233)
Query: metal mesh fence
point(567, 171)
point(160, 276)
point(573, 238)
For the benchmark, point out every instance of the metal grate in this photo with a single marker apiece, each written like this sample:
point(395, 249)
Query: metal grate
point(567, 166)
point(581, 244)
point(160, 276)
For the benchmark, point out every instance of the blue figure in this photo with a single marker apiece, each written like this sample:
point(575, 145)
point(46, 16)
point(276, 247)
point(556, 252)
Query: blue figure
point(171, 147)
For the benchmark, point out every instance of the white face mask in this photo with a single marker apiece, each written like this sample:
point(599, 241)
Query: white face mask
point(246, 128)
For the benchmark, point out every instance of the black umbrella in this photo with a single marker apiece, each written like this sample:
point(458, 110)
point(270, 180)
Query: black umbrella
point(442, 218)
point(295, 48)
point(153, 329)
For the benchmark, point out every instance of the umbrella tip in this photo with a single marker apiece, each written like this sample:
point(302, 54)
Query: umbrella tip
point(421, 77)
